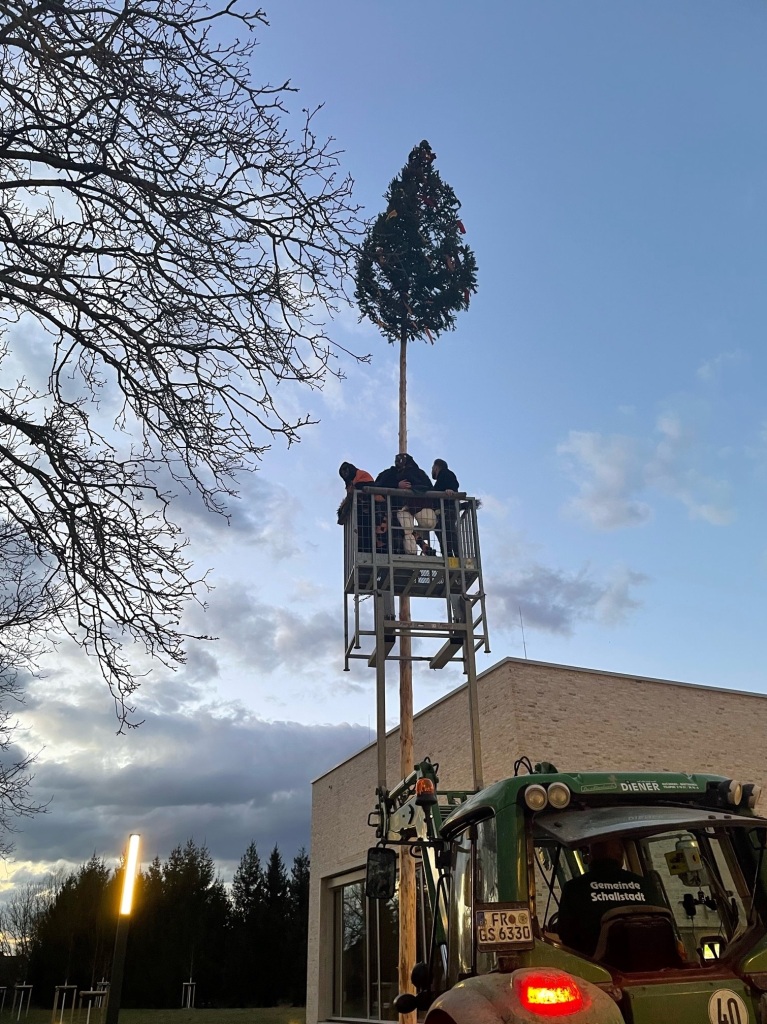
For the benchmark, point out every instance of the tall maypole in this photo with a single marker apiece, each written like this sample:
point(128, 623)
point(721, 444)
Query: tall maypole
point(414, 274)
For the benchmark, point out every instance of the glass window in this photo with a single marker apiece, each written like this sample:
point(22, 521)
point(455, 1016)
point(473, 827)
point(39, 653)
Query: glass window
point(351, 949)
point(554, 865)
point(459, 950)
point(366, 951)
point(693, 874)
point(706, 900)
point(487, 862)
point(384, 958)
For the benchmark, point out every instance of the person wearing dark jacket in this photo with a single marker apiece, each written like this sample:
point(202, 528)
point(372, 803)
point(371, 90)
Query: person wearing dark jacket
point(605, 886)
point(406, 475)
point(446, 481)
point(355, 478)
point(444, 478)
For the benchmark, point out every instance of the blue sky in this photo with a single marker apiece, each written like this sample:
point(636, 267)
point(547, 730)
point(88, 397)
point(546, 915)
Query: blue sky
point(604, 395)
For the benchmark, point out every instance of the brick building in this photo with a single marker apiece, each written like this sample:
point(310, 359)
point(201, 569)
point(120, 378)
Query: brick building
point(577, 718)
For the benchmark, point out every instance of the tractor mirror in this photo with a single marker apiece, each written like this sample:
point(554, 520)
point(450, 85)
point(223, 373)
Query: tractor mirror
point(381, 875)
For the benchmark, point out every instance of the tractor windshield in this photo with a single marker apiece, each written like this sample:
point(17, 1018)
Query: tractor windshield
point(633, 879)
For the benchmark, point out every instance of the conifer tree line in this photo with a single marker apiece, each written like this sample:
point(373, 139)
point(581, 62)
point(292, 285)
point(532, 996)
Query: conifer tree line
point(244, 945)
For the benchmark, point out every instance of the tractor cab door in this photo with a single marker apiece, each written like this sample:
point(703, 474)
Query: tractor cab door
point(460, 955)
point(474, 886)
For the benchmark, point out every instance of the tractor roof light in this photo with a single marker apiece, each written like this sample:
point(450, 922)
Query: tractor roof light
point(549, 993)
point(751, 795)
point(731, 792)
point(425, 792)
point(536, 797)
point(559, 795)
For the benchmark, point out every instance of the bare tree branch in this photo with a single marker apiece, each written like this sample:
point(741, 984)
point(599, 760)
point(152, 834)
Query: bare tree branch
point(181, 251)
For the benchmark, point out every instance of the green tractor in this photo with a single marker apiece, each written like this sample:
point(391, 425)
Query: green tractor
point(587, 897)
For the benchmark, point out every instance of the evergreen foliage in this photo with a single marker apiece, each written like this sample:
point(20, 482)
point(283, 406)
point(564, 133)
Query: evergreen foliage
point(244, 947)
point(248, 886)
point(274, 961)
point(298, 904)
point(414, 271)
point(248, 929)
point(75, 936)
point(194, 921)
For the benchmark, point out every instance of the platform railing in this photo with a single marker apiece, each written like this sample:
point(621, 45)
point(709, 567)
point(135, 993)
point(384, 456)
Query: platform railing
point(401, 543)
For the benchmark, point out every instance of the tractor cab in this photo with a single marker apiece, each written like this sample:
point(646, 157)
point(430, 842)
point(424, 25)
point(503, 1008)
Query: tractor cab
point(628, 897)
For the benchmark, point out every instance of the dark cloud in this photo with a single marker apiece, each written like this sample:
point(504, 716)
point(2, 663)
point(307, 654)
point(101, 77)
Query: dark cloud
point(219, 774)
point(553, 600)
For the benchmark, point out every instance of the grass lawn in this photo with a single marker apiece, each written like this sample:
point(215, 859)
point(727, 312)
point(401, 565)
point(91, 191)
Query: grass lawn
point(267, 1015)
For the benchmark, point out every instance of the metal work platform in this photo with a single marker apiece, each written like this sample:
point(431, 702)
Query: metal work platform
point(413, 547)
point(405, 544)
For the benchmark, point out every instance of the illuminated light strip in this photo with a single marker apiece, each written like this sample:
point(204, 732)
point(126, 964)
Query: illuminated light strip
point(129, 879)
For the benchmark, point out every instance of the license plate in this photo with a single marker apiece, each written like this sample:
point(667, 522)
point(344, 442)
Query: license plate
point(503, 929)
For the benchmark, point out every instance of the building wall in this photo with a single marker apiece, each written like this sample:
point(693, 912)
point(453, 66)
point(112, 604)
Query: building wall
point(578, 719)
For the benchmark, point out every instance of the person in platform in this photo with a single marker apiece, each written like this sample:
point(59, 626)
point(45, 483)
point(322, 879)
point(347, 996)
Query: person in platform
point(446, 481)
point(355, 478)
point(411, 509)
point(605, 886)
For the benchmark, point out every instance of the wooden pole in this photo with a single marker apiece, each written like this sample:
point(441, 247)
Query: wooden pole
point(407, 892)
point(403, 389)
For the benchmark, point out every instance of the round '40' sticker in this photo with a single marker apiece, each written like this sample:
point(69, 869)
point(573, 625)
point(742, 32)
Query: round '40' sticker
point(726, 1007)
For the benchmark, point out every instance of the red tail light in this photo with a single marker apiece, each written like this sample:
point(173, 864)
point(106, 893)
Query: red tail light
point(549, 993)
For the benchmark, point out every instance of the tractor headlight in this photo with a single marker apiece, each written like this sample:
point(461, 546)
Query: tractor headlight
point(751, 795)
point(559, 795)
point(535, 797)
point(731, 792)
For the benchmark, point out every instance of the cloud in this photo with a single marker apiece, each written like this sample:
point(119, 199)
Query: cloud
point(614, 474)
point(220, 774)
point(264, 515)
point(553, 600)
point(613, 469)
point(703, 497)
point(266, 636)
point(713, 368)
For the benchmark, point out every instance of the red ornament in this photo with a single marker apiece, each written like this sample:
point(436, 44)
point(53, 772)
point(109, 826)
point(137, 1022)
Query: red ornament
point(461, 228)
point(428, 201)
point(466, 296)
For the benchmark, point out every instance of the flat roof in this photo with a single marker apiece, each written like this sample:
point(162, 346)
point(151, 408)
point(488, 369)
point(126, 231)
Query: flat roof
point(552, 665)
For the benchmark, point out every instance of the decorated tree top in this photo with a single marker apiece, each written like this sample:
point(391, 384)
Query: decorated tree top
point(414, 271)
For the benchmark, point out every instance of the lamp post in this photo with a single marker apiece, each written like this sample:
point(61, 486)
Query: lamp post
point(121, 936)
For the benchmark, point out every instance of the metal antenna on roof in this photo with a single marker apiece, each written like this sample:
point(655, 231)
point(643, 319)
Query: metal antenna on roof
point(522, 626)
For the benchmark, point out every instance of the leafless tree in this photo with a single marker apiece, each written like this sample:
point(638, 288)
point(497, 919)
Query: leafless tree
point(29, 602)
point(178, 252)
point(21, 914)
